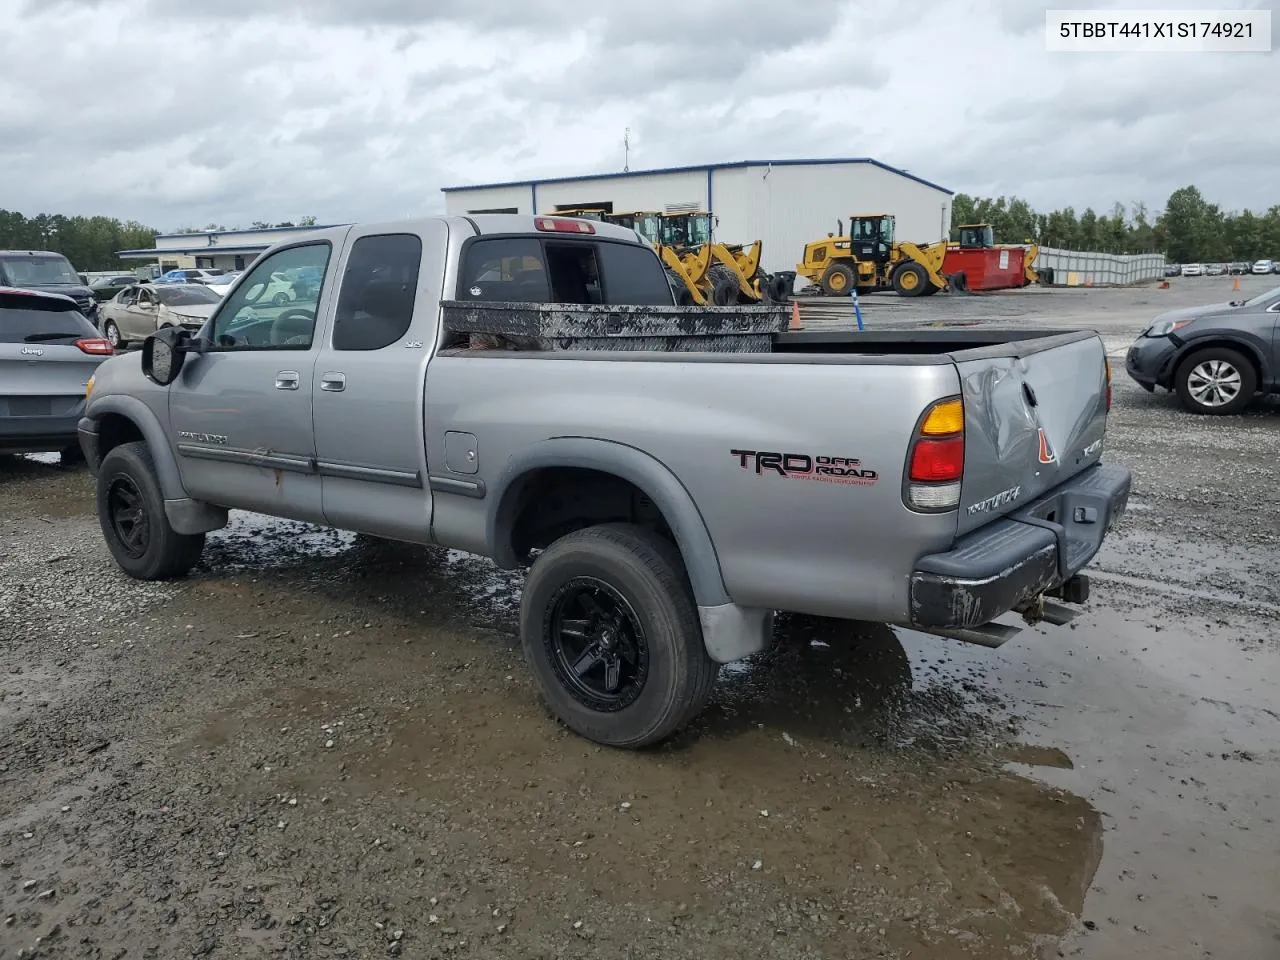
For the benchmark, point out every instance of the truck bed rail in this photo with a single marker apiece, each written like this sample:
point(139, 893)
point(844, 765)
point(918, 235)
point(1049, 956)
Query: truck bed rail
point(560, 326)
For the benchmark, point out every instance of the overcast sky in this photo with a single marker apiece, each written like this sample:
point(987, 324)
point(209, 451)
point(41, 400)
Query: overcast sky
point(182, 113)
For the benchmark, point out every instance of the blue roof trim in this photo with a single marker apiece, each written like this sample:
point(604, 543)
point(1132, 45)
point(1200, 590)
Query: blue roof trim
point(232, 233)
point(213, 251)
point(735, 165)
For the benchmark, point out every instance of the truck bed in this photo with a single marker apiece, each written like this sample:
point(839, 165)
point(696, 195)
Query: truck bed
point(746, 333)
point(971, 343)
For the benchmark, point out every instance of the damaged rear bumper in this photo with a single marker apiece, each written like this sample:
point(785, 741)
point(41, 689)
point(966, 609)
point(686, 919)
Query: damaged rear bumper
point(1014, 561)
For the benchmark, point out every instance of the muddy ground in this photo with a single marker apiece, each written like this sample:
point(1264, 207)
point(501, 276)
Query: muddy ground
point(324, 746)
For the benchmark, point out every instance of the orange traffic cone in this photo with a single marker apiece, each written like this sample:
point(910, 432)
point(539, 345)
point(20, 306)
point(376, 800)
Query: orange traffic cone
point(1235, 283)
point(795, 316)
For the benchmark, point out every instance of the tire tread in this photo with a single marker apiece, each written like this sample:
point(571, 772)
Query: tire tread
point(694, 673)
point(1248, 386)
point(177, 553)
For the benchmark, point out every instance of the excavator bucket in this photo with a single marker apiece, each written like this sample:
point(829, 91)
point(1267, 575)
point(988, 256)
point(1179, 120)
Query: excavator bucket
point(1028, 263)
point(736, 266)
point(691, 270)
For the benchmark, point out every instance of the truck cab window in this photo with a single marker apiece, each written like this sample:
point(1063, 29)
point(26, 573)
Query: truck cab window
point(375, 305)
point(274, 307)
point(527, 270)
point(633, 275)
point(574, 273)
point(504, 269)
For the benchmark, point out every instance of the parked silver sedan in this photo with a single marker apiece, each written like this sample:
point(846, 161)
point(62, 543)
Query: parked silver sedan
point(140, 310)
point(48, 352)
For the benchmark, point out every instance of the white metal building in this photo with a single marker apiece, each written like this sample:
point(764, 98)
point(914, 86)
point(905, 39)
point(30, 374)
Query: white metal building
point(785, 203)
point(228, 249)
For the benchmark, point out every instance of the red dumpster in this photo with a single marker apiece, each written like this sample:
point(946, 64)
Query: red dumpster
point(990, 268)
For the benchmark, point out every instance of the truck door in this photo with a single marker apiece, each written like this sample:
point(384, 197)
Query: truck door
point(240, 412)
point(368, 384)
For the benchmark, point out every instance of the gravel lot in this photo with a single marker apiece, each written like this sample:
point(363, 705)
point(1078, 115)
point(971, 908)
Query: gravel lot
point(320, 745)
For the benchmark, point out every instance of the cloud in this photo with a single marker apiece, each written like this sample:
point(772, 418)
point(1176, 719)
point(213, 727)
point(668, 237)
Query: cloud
point(242, 110)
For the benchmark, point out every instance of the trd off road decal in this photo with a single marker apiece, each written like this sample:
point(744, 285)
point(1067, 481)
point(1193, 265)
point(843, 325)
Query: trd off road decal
point(802, 466)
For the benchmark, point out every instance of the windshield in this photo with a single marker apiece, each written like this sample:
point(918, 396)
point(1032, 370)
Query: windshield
point(1264, 299)
point(186, 295)
point(39, 271)
point(686, 231)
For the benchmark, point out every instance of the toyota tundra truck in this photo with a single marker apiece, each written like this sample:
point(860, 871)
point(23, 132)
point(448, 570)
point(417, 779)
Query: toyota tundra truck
point(526, 389)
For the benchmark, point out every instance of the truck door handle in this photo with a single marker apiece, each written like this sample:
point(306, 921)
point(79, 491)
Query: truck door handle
point(333, 382)
point(287, 380)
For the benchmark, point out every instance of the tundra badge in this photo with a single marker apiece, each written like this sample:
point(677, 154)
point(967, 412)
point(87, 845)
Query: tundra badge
point(992, 503)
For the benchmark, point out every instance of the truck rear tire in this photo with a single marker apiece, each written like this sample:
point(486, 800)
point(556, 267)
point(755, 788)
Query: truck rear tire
point(611, 632)
point(134, 524)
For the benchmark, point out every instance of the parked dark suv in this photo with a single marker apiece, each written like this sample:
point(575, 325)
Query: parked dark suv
point(47, 272)
point(1217, 358)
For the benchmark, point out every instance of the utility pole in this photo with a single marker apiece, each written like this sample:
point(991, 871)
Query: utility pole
point(626, 151)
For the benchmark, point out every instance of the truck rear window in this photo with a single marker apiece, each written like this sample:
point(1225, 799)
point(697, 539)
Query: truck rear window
point(25, 319)
point(537, 270)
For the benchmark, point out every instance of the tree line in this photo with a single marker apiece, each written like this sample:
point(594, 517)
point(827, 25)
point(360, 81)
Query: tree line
point(256, 225)
point(1190, 229)
point(90, 243)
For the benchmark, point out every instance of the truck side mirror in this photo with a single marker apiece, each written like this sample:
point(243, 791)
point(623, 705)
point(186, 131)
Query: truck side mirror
point(163, 353)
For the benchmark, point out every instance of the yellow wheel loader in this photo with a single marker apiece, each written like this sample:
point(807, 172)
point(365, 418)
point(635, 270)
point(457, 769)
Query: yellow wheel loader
point(700, 271)
point(869, 258)
point(724, 273)
point(687, 264)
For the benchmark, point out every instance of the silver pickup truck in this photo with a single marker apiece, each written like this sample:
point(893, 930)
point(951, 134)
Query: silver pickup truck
point(667, 500)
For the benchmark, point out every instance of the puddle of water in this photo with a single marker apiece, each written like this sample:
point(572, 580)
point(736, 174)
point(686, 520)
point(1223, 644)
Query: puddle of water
point(52, 459)
point(1173, 736)
point(853, 683)
point(251, 541)
point(1163, 723)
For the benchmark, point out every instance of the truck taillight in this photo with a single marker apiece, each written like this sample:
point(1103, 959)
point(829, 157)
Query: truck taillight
point(1107, 361)
point(563, 225)
point(96, 346)
point(936, 463)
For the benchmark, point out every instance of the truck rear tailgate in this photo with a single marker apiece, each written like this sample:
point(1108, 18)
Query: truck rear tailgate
point(1035, 415)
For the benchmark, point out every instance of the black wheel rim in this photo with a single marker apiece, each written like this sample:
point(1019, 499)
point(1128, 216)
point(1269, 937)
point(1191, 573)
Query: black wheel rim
point(128, 516)
point(596, 643)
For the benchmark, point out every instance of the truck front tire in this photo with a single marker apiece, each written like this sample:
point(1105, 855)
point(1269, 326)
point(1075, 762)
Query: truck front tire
point(610, 629)
point(134, 524)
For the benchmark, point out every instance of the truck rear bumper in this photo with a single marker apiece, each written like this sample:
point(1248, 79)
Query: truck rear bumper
point(1017, 558)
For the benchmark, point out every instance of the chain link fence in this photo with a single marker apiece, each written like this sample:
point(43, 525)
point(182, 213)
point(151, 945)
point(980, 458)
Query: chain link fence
point(1076, 268)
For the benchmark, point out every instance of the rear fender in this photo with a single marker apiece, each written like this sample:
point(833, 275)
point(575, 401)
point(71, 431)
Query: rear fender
point(730, 632)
